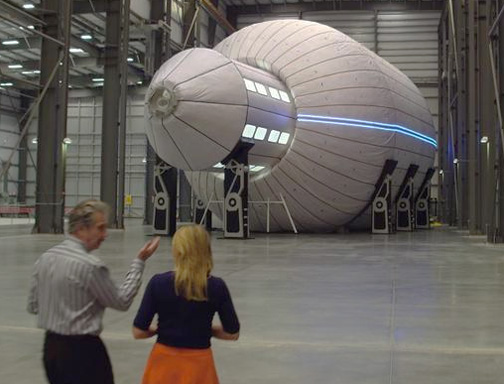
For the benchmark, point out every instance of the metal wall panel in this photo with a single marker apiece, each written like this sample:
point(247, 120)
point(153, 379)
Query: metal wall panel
point(84, 153)
point(9, 135)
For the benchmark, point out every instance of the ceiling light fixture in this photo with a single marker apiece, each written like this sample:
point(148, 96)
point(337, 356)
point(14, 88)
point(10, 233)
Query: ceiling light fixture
point(129, 59)
point(15, 66)
point(98, 79)
point(76, 50)
point(28, 6)
point(10, 42)
point(86, 37)
point(6, 84)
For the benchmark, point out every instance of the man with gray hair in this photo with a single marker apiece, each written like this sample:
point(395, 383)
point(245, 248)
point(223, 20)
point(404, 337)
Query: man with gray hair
point(70, 290)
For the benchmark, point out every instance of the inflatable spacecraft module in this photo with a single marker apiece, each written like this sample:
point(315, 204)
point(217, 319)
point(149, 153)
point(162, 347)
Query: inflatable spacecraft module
point(323, 111)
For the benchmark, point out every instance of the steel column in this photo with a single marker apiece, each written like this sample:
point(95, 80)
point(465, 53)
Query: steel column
point(160, 51)
point(52, 120)
point(110, 117)
point(487, 119)
point(473, 197)
point(23, 158)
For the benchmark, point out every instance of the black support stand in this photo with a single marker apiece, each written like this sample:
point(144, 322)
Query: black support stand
point(405, 203)
point(236, 218)
point(382, 202)
point(422, 209)
point(165, 200)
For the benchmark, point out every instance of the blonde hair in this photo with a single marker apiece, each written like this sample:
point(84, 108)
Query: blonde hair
point(193, 262)
point(82, 215)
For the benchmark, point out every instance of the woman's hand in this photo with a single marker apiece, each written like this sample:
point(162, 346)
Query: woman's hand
point(141, 334)
point(219, 333)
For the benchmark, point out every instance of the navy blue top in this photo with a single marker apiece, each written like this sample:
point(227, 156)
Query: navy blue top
point(185, 323)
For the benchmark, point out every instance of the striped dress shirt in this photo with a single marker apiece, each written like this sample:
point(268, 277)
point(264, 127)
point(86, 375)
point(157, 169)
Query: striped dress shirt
point(70, 289)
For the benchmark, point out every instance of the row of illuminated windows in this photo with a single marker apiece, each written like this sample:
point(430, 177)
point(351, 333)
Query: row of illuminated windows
point(259, 133)
point(254, 86)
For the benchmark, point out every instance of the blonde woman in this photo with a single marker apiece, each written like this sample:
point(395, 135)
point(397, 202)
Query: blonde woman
point(185, 301)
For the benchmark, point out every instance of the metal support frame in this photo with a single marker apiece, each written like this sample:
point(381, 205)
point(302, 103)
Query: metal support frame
point(52, 119)
point(205, 212)
point(471, 128)
point(190, 16)
point(165, 200)
point(159, 50)
point(202, 215)
point(421, 201)
point(113, 121)
point(472, 123)
point(236, 174)
point(404, 201)
point(124, 14)
point(381, 200)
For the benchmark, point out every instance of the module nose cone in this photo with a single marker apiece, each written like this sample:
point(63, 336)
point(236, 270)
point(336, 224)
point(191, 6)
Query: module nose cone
point(195, 109)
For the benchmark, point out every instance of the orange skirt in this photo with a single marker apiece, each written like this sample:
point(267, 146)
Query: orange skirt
point(169, 365)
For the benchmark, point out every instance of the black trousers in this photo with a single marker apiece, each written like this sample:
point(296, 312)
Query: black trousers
point(80, 359)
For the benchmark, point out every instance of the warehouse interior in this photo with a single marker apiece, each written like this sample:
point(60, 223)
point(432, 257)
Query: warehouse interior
point(339, 307)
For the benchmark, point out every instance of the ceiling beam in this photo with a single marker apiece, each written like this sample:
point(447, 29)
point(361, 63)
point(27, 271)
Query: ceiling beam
point(89, 6)
point(341, 5)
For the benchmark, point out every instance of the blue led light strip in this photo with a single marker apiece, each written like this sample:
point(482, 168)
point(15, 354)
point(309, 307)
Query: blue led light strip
point(368, 125)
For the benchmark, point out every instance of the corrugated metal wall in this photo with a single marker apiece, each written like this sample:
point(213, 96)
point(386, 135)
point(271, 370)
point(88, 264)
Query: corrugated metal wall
point(84, 153)
point(9, 135)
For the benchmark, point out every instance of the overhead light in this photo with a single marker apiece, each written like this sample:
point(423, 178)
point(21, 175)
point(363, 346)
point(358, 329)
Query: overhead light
point(10, 42)
point(99, 84)
point(441, 172)
point(76, 50)
point(28, 6)
point(455, 161)
point(15, 66)
point(31, 27)
point(129, 60)
point(139, 82)
point(219, 165)
point(484, 140)
point(28, 72)
point(36, 71)
point(86, 37)
point(98, 79)
point(144, 160)
point(6, 84)
point(67, 140)
point(34, 140)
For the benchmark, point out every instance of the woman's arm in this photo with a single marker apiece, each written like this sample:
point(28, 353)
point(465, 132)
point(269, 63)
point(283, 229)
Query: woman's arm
point(141, 334)
point(219, 333)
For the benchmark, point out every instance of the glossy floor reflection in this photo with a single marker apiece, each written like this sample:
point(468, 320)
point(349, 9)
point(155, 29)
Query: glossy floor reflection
point(426, 307)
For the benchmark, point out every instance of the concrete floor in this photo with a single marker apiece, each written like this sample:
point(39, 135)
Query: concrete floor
point(426, 307)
